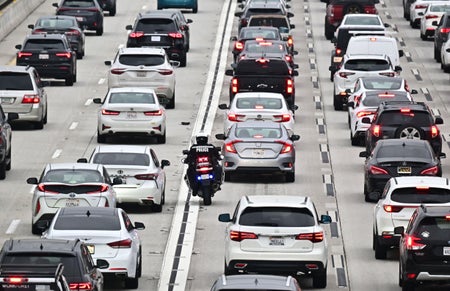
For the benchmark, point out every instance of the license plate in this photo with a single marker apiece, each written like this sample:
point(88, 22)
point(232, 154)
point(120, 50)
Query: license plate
point(91, 249)
point(80, 18)
point(404, 170)
point(131, 115)
point(141, 74)
point(446, 251)
point(72, 202)
point(337, 59)
point(156, 38)
point(204, 176)
point(7, 100)
point(43, 56)
point(258, 153)
point(276, 241)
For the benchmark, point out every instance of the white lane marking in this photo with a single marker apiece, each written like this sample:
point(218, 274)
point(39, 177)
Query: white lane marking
point(101, 81)
point(73, 125)
point(13, 226)
point(57, 153)
point(88, 102)
point(32, 189)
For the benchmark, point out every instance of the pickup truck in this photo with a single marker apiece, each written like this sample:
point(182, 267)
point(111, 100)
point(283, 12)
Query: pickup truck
point(263, 75)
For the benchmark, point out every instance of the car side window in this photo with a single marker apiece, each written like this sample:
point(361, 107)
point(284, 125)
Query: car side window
point(87, 259)
point(410, 224)
point(154, 158)
point(235, 214)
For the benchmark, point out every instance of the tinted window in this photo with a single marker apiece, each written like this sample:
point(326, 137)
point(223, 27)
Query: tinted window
point(122, 159)
point(141, 60)
point(367, 65)
point(439, 8)
point(79, 3)
point(258, 132)
point(362, 21)
point(87, 222)
point(265, 47)
point(373, 100)
point(44, 44)
point(259, 103)
point(155, 25)
point(396, 118)
point(259, 33)
point(30, 287)
point(384, 84)
point(274, 22)
point(15, 81)
point(277, 216)
point(73, 176)
point(399, 152)
point(421, 195)
point(253, 11)
point(434, 228)
point(130, 97)
point(263, 67)
point(56, 23)
point(70, 262)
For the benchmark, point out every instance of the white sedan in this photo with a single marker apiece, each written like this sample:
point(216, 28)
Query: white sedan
point(131, 111)
point(258, 106)
point(445, 57)
point(432, 13)
point(144, 67)
point(416, 10)
point(108, 233)
point(143, 176)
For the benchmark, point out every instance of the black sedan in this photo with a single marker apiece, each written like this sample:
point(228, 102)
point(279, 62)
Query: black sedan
point(61, 24)
point(277, 49)
point(395, 158)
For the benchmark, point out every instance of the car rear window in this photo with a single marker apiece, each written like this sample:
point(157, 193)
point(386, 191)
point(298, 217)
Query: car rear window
point(439, 8)
point(367, 65)
point(72, 176)
point(259, 33)
point(87, 222)
point(277, 216)
point(269, 21)
point(344, 35)
point(15, 81)
point(421, 195)
point(130, 97)
point(155, 25)
point(264, 47)
point(384, 84)
point(259, 103)
point(56, 23)
point(362, 21)
point(258, 132)
point(137, 159)
point(373, 100)
point(397, 118)
point(435, 228)
point(253, 11)
point(79, 3)
point(397, 152)
point(44, 44)
point(141, 60)
point(70, 261)
point(262, 67)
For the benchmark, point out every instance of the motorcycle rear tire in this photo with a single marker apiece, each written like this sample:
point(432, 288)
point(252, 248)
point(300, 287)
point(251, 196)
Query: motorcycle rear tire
point(206, 191)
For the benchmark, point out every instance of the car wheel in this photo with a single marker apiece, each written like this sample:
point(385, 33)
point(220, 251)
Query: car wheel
point(195, 9)
point(3, 170)
point(69, 81)
point(8, 157)
point(226, 270)
point(446, 68)
point(329, 30)
point(171, 104)
point(161, 138)
point(374, 238)
point(99, 31)
point(39, 124)
point(337, 102)
point(366, 192)
point(290, 177)
point(409, 132)
point(437, 55)
point(44, 118)
point(183, 59)
point(408, 287)
point(101, 138)
point(79, 55)
point(423, 36)
point(227, 176)
point(320, 279)
point(112, 12)
point(35, 229)
point(354, 140)
point(405, 14)
point(131, 283)
point(156, 207)
point(380, 250)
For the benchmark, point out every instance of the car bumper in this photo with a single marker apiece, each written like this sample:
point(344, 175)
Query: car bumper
point(281, 164)
point(153, 126)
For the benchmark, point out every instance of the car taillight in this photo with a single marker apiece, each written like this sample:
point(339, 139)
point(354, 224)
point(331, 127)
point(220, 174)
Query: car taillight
point(38, 31)
point(288, 58)
point(121, 244)
point(110, 112)
point(289, 86)
point(290, 41)
point(73, 32)
point(420, 6)
point(431, 16)
point(345, 74)
point(433, 171)
point(15, 280)
point(64, 55)
point(153, 113)
point(31, 99)
point(445, 30)
point(38, 207)
point(238, 45)
point(24, 54)
point(103, 188)
point(364, 113)
point(229, 147)
point(236, 117)
point(241, 235)
point(117, 71)
point(387, 74)
point(80, 286)
point(287, 147)
point(175, 35)
point(234, 85)
point(392, 208)
point(136, 34)
point(377, 171)
point(165, 72)
point(41, 187)
point(314, 237)
point(152, 176)
point(434, 131)
point(282, 118)
point(338, 52)
point(413, 243)
point(376, 130)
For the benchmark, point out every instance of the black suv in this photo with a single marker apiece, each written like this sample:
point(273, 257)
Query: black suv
point(31, 278)
point(89, 13)
point(5, 142)
point(79, 268)
point(441, 34)
point(257, 8)
point(408, 120)
point(51, 55)
point(424, 248)
point(161, 28)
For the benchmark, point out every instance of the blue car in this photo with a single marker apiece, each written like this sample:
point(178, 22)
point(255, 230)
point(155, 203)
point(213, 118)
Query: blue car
point(186, 4)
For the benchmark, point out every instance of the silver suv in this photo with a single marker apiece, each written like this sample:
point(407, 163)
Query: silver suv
point(276, 234)
point(22, 92)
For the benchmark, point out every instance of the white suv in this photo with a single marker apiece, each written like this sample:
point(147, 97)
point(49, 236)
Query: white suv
point(359, 65)
point(276, 234)
point(401, 196)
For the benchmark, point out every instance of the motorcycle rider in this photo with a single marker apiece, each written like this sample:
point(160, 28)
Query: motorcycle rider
point(202, 148)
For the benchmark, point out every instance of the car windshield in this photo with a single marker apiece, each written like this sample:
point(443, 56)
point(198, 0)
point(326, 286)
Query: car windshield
point(69, 176)
point(383, 84)
point(413, 151)
point(277, 216)
point(87, 222)
point(366, 65)
point(259, 103)
point(56, 23)
point(69, 261)
point(44, 44)
point(397, 118)
point(79, 3)
point(421, 195)
point(141, 60)
point(155, 25)
point(258, 132)
point(132, 97)
point(15, 81)
point(373, 100)
point(120, 158)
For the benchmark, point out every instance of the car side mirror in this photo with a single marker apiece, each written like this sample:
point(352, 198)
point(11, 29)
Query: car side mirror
point(386, 25)
point(233, 38)
point(102, 264)
point(224, 217)
point(189, 20)
point(434, 23)
point(363, 154)
point(220, 136)
point(294, 53)
point(108, 63)
point(442, 155)
point(414, 91)
point(55, 5)
point(97, 101)
point(241, 6)
point(326, 219)
point(365, 120)
point(401, 53)
point(348, 91)
point(238, 14)
point(117, 181)
point(296, 66)
point(229, 72)
point(129, 27)
point(294, 107)
point(290, 14)
point(42, 225)
point(420, 13)
point(398, 69)
point(295, 137)
point(334, 40)
point(292, 26)
point(82, 160)
point(139, 225)
point(399, 230)
point(438, 120)
point(32, 181)
point(295, 73)
point(165, 163)
point(185, 152)
point(31, 26)
point(351, 104)
point(288, 6)
point(223, 106)
point(18, 46)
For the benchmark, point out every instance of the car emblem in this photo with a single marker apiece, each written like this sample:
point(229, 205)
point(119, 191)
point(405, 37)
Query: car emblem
point(258, 144)
point(72, 195)
point(262, 86)
point(425, 234)
point(259, 116)
point(119, 172)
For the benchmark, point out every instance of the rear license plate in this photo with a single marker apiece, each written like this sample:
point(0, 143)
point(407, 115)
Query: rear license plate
point(446, 251)
point(404, 170)
point(204, 176)
point(276, 241)
point(141, 74)
point(72, 202)
point(80, 18)
point(7, 100)
point(156, 38)
point(131, 115)
point(258, 153)
point(337, 59)
point(43, 56)
point(91, 249)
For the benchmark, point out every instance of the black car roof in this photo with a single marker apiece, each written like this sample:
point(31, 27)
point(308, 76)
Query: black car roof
point(40, 245)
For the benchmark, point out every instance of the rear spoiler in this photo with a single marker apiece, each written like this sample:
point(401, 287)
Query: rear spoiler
point(371, 32)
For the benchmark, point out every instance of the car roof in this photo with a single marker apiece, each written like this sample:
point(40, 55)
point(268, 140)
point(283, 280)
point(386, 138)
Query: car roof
point(142, 50)
point(259, 95)
point(276, 201)
point(39, 245)
point(18, 69)
point(414, 181)
point(122, 148)
point(131, 89)
point(97, 211)
point(253, 281)
point(74, 166)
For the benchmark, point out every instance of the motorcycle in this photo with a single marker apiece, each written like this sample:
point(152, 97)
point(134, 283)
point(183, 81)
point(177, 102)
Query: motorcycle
point(205, 179)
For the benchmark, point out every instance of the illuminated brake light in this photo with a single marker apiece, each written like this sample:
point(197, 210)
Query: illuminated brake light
point(431, 16)
point(15, 280)
point(434, 131)
point(73, 32)
point(373, 39)
point(412, 243)
point(345, 74)
point(265, 43)
point(392, 208)
point(229, 147)
point(24, 54)
point(136, 34)
point(445, 30)
point(121, 244)
point(31, 99)
point(241, 235)
point(165, 72)
point(376, 130)
point(433, 171)
point(64, 55)
point(153, 113)
point(386, 95)
point(236, 117)
point(146, 176)
point(290, 41)
point(377, 171)
point(259, 39)
point(287, 147)
point(80, 286)
point(314, 237)
point(234, 85)
point(110, 112)
point(405, 110)
point(289, 86)
point(338, 51)
point(447, 217)
point(238, 46)
point(175, 35)
point(282, 118)
point(364, 113)
point(262, 60)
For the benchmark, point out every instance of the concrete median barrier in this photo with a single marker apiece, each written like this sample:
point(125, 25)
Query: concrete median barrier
point(15, 13)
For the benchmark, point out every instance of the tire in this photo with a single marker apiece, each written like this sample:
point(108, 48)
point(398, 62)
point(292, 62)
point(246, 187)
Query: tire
point(101, 138)
point(206, 191)
point(290, 177)
point(405, 15)
point(337, 102)
point(79, 55)
point(35, 230)
point(320, 279)
point(8, 165)
point(227, 176)
point(354, 140)
point(409, 132)
point(171, 104)
point(437, 55)
point(366, 193)
point(45, 119)
point(331, 76)
point(380, 251)
point(139, 268)
point(112, 12)
point(408, 286)
point(329, 30)
point(195, 9)
point(226, 270)
point(374, 238)
point(423, 36)
point(131, 283)
point(446, 68)
point(69, 81)
point(99, 31)
point(183, 59)
point(156, 207)
point(161, 138)
point(3, 170)
point(39, 124)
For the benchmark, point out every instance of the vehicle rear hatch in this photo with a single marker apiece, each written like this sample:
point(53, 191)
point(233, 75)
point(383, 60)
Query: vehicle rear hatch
point(160, 32)
point(63, 195)
point(14, 86)
point(258, 149)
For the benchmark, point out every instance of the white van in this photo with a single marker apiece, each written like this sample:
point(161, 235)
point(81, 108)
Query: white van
point(375, 44)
